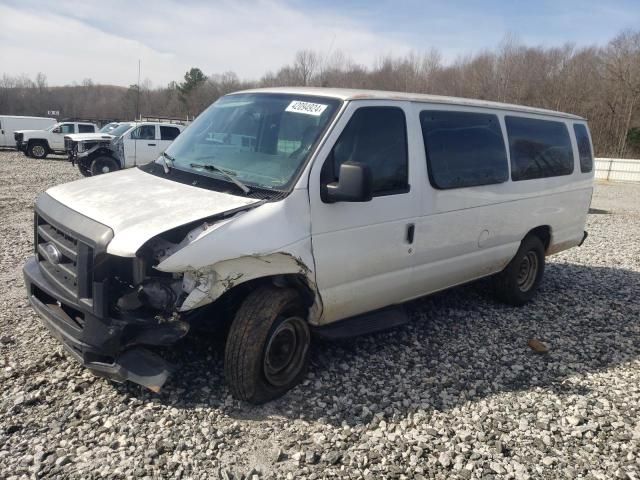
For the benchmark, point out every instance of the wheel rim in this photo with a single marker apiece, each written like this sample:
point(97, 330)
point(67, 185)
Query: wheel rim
point(286, 350)
point(38, 151)
point(528, 271)
point(105, 169)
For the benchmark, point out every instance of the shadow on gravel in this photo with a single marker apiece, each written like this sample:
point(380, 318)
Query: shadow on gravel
point(460, 346)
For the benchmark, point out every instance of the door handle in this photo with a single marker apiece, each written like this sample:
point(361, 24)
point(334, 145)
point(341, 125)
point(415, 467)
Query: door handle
point(411, 230)
point(151, 144)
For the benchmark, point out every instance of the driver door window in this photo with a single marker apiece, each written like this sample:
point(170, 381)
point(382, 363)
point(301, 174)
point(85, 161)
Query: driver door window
point(67, 128)
point(374, 136)
point(144, 132)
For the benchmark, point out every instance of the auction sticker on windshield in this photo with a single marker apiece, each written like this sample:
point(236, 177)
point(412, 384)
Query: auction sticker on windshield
point(307, 108)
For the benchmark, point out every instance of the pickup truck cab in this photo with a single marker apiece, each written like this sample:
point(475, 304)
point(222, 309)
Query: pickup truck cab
point(288, 213)
point(40, 143)
point(127, 145)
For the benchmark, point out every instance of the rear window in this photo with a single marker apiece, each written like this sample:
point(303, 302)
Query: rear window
point(169, 133)
point(464, 149)
point(584, 147)
point(539, 148)
point(86, 129)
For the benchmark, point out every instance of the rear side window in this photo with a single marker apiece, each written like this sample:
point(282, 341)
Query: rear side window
point(376, 136)
point(539, 148)
point(86, 129)
point(464, 149)
point(168, 133)
point(584, 147)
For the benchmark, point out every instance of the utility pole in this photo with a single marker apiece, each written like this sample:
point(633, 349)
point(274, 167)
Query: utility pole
point(138, 93)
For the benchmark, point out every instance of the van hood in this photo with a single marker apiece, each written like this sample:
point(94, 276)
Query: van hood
point(137, 206)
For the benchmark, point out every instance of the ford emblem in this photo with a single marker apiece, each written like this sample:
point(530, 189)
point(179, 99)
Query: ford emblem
point(52, 253)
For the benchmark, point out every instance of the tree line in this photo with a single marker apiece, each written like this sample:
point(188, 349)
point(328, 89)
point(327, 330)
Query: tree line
point(601, 84)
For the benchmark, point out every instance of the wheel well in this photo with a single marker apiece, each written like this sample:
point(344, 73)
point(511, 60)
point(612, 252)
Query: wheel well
point(543, 232)
point(225, 307)
point(38, 140)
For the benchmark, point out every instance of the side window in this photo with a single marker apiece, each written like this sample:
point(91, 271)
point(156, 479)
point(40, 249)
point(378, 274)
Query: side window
point(168, 133)
point(67, 128)
point(464, 149)
point(539, 148)
point(86, 129)
point(375, 136)
point(144, 132)
point(584, 147)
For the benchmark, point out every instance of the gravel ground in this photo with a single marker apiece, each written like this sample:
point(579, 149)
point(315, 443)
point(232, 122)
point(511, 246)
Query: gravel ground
point(456, 393)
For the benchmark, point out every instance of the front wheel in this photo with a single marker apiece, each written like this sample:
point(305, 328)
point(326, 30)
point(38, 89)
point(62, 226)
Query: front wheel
point(84, 170)
point(37, 150)
point(519, 281)
point(102, 165)
point(267, 347)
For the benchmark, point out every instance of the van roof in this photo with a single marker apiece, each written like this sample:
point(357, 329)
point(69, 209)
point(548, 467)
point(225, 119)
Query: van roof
point(26, 116)
point(361, 94)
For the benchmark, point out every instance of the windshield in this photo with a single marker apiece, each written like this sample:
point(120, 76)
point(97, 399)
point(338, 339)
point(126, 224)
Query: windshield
point(108, 127)
point(52, 127)
point(120, 129)
point(260, 139)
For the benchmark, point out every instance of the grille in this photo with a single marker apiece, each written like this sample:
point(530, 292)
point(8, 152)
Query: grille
point(68, 144)
point(64, 260)
point(18, 137)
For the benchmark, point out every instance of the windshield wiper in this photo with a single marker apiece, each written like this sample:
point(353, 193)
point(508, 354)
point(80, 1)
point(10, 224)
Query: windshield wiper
point(166, 158)
point(226, 174)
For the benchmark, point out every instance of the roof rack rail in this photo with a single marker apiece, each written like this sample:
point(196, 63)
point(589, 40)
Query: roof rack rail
point(163, 119)
point(99, 121)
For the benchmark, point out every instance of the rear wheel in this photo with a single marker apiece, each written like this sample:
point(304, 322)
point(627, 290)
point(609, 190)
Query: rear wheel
point(267, 347)
point(37, 150)
point(519, 281)
point(102, 165)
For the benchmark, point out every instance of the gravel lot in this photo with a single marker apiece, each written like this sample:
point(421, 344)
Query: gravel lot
point(457, 393)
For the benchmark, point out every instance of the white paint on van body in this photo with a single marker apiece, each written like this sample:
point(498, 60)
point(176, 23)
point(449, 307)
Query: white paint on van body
point(355, 256)
point(9, 124)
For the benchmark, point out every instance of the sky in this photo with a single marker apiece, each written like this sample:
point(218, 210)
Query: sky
point(70, 41)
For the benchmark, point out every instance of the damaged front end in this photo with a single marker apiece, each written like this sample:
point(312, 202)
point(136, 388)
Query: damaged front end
point(106, 310)
point(80, 148)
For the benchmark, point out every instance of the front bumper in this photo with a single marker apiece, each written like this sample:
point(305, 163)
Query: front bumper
point(109, 347)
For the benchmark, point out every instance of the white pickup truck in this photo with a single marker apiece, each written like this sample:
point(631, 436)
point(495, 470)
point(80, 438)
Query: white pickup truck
point(40, 143)
point(127, 145)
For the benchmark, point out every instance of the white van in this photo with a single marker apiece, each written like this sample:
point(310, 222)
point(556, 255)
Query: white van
point(287, 212)
point(9, 124)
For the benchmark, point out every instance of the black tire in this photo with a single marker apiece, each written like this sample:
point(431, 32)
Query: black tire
point(102, 165)
point(84, 170)
point(37, 149)
point(519, 281)
point(267, 348)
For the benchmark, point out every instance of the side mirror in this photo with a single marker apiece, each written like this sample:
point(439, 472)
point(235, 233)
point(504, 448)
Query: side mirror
point(355, 184)
point(57, 130)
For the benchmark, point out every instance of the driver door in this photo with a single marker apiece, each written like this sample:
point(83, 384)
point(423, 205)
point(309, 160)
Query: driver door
point(142, 147)
point(57, 139)
point(363, 250)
